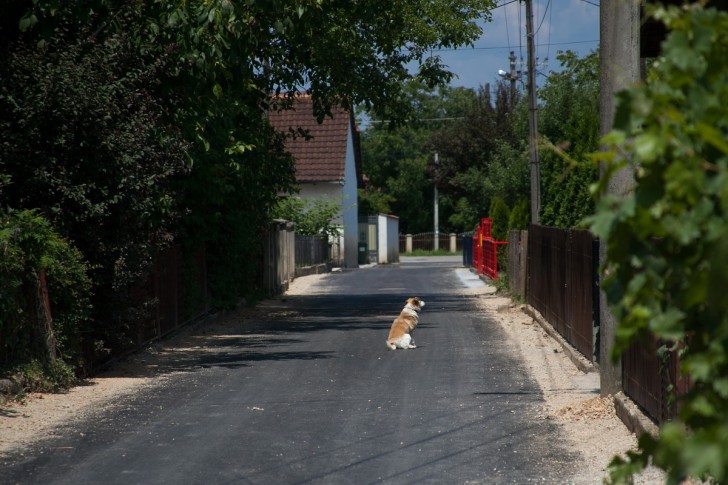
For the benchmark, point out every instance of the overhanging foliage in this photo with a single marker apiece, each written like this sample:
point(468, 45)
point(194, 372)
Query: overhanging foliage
point(667, 257)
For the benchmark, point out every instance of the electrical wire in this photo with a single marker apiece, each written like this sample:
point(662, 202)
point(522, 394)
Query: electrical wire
point(548, 45)
point(548, 5)
point(520, 34)
point(508, 35)
point(504, 4)
point(508, 47)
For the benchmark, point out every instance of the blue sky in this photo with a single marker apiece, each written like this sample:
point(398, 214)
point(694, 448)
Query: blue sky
point(560, 25)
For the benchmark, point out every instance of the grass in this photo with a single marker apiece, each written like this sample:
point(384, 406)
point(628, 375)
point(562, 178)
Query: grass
point(439, 252)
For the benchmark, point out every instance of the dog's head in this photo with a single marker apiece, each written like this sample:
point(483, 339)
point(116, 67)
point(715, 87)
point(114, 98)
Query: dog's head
point(415, 303)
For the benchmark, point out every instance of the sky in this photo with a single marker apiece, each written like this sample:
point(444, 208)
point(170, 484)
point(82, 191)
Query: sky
point(559, 24)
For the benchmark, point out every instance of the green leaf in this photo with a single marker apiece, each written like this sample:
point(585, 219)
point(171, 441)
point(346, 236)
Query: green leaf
point(649, 146)
point(27, 22)
point(668, 324)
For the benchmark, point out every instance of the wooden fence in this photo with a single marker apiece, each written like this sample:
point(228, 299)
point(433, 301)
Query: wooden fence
point(180, 288)
point(311, 250)
point(561, 283)
point(518, 262)
point(279, 258)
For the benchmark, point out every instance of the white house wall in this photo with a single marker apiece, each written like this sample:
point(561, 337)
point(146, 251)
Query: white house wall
point(350, 211)
point(349, 217)
point(333, 191)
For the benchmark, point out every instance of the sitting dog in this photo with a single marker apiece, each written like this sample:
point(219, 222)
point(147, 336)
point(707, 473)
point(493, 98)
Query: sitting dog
point(403, 327)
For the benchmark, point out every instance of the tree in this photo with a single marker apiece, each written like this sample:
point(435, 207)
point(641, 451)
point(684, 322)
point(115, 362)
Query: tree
point(133, 125)
point(666, 257)
point(483, 156)
point(569, 125)
point(520, 215)
point(398, 159)
point(500, 214)
point(312, 217)
point(88, 142)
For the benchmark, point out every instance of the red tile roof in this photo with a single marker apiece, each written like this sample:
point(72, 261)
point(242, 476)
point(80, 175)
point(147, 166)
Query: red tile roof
point(322, 157)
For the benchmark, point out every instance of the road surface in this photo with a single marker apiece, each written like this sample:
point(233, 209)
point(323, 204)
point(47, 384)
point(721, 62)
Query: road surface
point(309, 393)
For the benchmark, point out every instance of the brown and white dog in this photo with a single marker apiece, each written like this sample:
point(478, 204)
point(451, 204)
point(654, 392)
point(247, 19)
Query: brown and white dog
point(403, 327)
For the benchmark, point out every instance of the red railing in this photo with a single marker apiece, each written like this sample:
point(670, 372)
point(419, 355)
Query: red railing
point(485, 249)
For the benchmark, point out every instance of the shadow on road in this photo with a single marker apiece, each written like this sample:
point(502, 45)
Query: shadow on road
point(272, 331)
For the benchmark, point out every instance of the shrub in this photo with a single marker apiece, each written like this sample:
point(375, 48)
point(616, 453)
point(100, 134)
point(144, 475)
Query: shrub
point(520, 215)
point(500, 214)
point(29, 244)
point(314, 217)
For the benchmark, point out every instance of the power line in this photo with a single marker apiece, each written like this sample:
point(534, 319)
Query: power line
point(508, 34)
point(520, 33)
point(546, 11)
point(504, 4)
point(548, 5)
point(548, 48)
point(419, 119)
point(507, 47)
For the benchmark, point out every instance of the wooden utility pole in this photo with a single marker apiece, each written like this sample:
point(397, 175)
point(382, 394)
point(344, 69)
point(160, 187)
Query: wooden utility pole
point(619, 54)
point(437, 206)
point(532, 116)
point(513, 75)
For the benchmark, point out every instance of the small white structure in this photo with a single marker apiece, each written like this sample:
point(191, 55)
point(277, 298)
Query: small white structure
point(388, 247)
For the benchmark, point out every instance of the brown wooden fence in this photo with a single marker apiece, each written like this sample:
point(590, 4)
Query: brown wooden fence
point(561, 283)
point(651, 381)
point(311, 250)
point(279, 266)
point(518, 262)
point(180, 288)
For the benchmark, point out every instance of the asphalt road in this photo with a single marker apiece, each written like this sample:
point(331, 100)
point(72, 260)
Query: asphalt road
point(312, 395)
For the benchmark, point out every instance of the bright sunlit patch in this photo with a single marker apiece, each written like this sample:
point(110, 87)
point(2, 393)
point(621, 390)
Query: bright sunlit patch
point(468, 279)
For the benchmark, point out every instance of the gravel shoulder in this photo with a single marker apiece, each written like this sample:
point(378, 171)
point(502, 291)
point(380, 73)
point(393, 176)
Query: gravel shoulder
point(589, 423)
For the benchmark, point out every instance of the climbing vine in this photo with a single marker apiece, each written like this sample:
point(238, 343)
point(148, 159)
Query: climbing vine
point(667, 257)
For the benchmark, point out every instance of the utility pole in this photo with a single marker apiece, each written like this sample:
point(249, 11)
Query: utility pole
point(437, 218)
point(532, 117)
point(619, 55)
point(513, 76)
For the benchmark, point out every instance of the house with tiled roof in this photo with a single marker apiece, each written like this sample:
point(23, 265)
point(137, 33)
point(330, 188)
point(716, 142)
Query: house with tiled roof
point(328, 164)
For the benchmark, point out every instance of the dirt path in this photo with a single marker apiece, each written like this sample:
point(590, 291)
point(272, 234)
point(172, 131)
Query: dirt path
point(571, 396)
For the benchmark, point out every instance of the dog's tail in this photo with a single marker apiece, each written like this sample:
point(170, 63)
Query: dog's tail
point(391, 346)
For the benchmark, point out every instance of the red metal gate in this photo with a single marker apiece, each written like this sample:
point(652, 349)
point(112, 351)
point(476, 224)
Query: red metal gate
point(485, 249)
